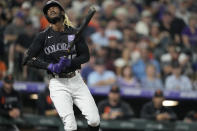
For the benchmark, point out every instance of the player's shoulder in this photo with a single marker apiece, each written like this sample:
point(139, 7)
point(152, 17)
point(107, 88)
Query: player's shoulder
point(45, 30)
point(71, 30)
point(43, 33)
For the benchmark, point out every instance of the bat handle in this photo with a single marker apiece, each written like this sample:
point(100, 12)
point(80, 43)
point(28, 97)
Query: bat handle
point(65, 55)
point(92, 8)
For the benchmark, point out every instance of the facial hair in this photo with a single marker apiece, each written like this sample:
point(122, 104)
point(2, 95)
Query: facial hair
point(56, 19)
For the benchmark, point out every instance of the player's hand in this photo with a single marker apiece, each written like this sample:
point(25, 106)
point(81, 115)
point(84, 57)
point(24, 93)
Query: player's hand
point(65, 61)
point(55, 68)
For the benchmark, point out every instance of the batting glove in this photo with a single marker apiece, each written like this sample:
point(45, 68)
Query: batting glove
point(65, 61)
point(55, 68)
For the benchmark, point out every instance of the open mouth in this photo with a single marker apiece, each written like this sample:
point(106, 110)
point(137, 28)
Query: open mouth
point(52, 13)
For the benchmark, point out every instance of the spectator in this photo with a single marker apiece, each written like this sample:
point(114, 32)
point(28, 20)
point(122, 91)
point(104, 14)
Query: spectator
point(182, 11)
point(165, 22)
point(36, 13)
point(155, 35)
point(189, 34)
point(99, 38)
point(10, 101)
point(11, 33)
point(3, 69)
point(78, 5)
point(108, 8)
point(127, 79)
point(154, 110)
point(1, 49)
point(121, 14)
point(177, 24)
point(114, 108)
point(3, 24)
point(133, 12)
point(139, 67)
point(127, 31)
point(142, 27)
point(45, 105)
point(113, 52)
point(88, 68)
point(101, 76)
point(134, 51)
point(14, 29)
point(151, 80)
point(174, 54)
point(22, 43)
point(177, 81)
point(194, 81)
point(112, 31)
point(190, 117)
point(122, 61)
point(158, 40)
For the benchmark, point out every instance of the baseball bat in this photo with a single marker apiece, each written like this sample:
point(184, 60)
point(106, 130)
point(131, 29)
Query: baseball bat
point(84, 24)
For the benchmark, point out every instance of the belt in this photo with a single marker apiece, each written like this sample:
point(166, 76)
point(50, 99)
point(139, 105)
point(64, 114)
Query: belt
point(64, 75)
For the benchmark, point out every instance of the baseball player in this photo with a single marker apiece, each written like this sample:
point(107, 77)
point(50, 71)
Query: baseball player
point(66, 84)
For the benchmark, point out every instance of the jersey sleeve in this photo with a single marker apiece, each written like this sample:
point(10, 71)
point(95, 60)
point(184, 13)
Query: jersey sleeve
point(82, 53)
point(31, 57)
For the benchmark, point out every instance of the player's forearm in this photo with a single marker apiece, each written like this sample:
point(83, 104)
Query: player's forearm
point(80, 60)
point(83, 54)
point(38, 63)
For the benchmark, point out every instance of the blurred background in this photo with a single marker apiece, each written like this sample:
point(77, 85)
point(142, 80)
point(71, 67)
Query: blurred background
point(142, 69)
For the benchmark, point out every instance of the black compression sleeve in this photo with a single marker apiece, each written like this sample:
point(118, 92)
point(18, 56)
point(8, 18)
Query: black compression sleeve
point(36, 45)
point(82, 53)
point(31, 57)
point(38, 63)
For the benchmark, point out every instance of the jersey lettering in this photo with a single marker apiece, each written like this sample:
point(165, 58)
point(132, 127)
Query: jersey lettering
point(56, 47)
point(71, 38)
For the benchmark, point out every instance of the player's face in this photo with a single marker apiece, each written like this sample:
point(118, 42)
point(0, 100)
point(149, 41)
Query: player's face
point(53, 12)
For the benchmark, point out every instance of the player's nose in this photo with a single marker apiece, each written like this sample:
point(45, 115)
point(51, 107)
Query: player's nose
point(51, 8)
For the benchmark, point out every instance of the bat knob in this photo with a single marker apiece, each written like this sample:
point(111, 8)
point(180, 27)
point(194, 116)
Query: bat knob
point(92, 9)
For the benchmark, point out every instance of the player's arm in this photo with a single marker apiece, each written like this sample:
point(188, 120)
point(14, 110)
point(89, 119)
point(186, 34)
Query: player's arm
point(31, 55)
point(82, 53)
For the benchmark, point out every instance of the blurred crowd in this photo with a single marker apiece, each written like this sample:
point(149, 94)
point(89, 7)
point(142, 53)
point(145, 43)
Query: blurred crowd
point(111, 108)
point(133, 43)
